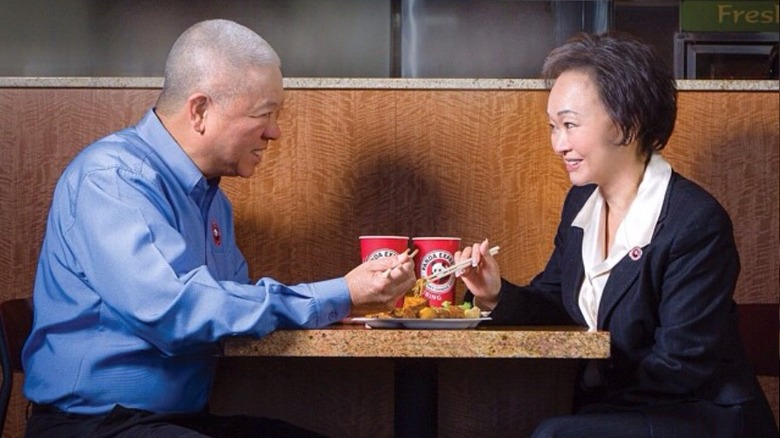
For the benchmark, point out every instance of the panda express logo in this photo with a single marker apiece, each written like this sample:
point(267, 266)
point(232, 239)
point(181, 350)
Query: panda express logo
point(434, 262)
point(380, 253)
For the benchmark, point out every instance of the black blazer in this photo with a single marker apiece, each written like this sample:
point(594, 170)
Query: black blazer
point(671, 314)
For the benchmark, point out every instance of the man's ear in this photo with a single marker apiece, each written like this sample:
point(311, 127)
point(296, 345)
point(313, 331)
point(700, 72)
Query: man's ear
point(197, 105)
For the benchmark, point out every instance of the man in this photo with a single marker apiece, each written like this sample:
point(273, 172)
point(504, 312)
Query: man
point(139, 275)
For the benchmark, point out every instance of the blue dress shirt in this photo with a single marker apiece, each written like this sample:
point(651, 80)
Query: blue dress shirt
point(139, 278)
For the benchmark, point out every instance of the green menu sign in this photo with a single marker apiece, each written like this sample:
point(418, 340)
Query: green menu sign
point(729, 16)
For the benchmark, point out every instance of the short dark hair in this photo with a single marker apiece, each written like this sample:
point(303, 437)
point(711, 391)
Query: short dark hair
point(636, 87)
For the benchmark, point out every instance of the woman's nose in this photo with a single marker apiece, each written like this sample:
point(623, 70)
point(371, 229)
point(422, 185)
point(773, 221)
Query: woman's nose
point(559, 143)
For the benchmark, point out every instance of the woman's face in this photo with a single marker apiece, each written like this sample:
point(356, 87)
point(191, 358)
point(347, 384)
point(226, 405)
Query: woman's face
point(582, 132)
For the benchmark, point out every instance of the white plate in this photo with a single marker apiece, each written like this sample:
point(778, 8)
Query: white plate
point(420, 324)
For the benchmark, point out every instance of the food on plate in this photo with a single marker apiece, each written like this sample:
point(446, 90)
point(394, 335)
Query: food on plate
point(418, 288)
point(416, 306)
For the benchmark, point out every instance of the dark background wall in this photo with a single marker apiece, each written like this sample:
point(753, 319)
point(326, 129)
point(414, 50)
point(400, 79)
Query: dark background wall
point(321, 38)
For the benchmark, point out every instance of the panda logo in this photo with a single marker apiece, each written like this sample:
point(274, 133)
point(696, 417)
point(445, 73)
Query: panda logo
point(434, 262)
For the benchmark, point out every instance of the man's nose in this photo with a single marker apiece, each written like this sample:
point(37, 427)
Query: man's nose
point(272, 131)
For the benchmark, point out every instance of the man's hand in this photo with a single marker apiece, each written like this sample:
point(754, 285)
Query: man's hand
point(376, 285)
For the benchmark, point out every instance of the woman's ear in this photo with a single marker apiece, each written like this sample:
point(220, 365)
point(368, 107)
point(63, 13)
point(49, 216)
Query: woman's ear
point(629, 136)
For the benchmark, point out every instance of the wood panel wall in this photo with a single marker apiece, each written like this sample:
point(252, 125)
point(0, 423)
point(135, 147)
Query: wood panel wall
point(466, 163)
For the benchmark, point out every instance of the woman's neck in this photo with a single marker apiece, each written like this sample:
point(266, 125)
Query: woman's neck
point(618, 196)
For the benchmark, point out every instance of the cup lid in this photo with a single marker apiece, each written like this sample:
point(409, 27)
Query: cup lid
point(384, 237)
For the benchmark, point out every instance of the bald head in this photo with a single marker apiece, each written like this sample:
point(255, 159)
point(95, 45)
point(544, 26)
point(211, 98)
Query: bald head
point(212, 57)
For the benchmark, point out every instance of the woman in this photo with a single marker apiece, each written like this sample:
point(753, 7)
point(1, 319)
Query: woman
point(640, 252)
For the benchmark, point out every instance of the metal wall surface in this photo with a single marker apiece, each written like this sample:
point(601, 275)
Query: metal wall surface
point(315, 38)
point(325, 38)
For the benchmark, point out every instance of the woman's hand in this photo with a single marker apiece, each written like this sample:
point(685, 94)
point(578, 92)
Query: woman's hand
point(483, 277)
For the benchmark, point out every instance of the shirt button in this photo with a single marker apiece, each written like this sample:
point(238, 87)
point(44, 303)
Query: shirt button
point(332, 316)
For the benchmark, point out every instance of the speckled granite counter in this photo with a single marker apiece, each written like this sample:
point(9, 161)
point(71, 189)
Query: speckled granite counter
point(346, 340)
point(370, 83)
point(421, 359)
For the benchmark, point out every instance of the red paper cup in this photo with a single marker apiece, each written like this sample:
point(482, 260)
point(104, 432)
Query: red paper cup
point(435, 254)
point(376, 247)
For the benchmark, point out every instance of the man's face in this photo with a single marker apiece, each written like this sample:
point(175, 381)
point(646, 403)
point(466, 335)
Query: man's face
point(241, 128)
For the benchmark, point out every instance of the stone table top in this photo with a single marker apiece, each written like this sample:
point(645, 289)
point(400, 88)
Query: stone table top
point(351, 340)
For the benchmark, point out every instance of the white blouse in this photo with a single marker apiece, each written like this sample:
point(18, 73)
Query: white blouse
point(632, 235)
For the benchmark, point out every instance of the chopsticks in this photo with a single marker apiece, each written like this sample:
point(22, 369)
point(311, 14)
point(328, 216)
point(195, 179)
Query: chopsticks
point(386, 273)
point(456, 267)
point(446, 271)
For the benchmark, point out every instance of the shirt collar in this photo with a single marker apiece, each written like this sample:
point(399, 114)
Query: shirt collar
point(152, 131)
point(644, 212)
point(637, 227)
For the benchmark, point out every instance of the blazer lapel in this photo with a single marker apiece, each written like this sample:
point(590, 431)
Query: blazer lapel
point(572, 274)
point(625, 273)
point(622, 277)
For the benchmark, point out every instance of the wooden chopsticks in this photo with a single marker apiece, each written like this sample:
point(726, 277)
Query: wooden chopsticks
point(456, 267)
point(386, 273)
point(444, 272)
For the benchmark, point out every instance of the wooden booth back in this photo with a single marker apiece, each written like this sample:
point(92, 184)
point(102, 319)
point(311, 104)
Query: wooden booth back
point(469, 163)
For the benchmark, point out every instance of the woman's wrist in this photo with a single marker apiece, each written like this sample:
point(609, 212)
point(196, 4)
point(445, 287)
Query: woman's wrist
point(484, 303)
